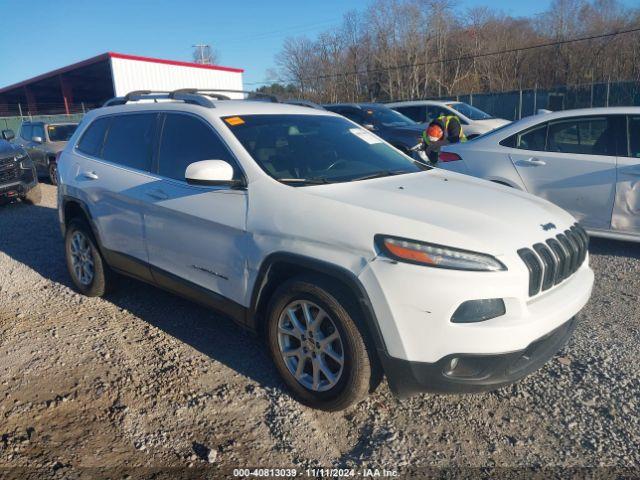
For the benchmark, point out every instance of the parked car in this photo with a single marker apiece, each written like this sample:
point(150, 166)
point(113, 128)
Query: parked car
point(474, 121)
point(303, 103)
point(18, 178)
point(350, 258)
point(400, 131)
point(586, 161)
point(43, 141)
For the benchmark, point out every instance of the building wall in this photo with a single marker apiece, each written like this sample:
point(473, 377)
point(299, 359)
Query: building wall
point(130, 75)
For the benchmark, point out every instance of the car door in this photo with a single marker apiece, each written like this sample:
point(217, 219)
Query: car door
point(37, 149)
point(111, 174)
point(572, 163)
point(195, 234)
point(626, 211)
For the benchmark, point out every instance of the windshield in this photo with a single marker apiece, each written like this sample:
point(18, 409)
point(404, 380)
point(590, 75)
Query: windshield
point(386, 117)
point(309, 149)
point(470, 112)
point(61, 133)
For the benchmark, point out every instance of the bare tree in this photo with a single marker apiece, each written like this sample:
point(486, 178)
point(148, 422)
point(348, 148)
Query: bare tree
point(399, 49)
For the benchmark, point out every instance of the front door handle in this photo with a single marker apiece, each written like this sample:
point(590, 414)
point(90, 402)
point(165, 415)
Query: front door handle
point(89, 175)
point(536, 162)
point(157, 194)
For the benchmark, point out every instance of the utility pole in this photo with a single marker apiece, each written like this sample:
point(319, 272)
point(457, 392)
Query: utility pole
point(204, 53)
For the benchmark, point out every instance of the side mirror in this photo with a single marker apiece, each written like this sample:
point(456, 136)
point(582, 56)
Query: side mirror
point(8, 134)
point(369, 126)
point(211, 172)
point(37, 139)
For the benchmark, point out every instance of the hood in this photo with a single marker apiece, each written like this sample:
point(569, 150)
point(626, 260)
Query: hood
point(9, 149)
point(451, 209)
point(491, 123)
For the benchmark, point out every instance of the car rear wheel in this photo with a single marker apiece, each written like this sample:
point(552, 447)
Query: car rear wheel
point(316, 344)
point(53, 173)
point(90, 273)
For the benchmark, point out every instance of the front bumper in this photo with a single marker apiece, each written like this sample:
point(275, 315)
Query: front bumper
point(18, 188)
point(473, 373)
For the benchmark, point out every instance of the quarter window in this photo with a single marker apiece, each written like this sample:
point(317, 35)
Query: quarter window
point(590, 136)
point(93, 137)
point(533, 139)
point(185, 140)
point(130, 140)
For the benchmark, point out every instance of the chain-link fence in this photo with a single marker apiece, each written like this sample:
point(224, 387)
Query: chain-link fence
point(13, 123)
point(522, 103)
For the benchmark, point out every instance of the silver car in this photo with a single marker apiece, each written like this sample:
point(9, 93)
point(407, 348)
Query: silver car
point(586, 161)
point(43, 141)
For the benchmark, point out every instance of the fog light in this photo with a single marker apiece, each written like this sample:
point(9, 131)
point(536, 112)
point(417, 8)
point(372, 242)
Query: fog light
point(479, 310)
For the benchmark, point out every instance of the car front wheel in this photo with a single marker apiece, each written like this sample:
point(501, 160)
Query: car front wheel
point(90, 273)
point(317, 346)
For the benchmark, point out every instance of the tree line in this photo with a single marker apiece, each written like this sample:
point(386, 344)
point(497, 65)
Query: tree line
point(407, 49)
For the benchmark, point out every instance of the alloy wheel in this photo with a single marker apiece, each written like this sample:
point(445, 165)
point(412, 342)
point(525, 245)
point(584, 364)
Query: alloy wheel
point(310, 345)
point(81, 258)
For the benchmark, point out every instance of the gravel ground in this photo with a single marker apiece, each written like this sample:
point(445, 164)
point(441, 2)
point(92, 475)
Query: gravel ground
point(148, 382)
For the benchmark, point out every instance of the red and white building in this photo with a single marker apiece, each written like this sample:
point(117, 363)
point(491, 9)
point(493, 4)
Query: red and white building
point(89, 83)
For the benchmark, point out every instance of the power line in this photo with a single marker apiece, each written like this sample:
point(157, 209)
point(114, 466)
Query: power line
point(469, 57)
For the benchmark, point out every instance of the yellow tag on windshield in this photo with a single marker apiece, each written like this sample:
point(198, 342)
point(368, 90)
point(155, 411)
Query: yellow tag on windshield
point(233, 121)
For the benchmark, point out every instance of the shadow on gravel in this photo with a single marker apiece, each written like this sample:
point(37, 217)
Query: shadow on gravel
point(616, 248)
point(31, 235)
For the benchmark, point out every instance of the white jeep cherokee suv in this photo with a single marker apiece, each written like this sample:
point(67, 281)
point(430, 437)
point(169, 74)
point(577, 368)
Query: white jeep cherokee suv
point(350, 258)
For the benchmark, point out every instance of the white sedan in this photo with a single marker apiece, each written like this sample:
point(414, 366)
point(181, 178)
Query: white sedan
point(586, 161)
point(474, 121)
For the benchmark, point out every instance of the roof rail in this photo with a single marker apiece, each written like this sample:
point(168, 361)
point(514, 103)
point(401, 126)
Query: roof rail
point(215, 93)
point(202, 97)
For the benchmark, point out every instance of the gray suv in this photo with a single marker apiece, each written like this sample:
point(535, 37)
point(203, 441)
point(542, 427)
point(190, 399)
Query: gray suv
point(43, 141)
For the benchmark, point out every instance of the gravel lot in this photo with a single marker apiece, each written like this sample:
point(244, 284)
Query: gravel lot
point(147, 381)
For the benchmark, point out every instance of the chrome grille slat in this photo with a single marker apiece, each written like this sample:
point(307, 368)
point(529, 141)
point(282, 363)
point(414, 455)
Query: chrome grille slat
point(555, 260)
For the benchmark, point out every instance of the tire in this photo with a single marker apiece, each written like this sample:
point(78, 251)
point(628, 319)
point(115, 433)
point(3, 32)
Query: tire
point(33, 196)
point(354, 378)
point(53, 173)
point(97, 280)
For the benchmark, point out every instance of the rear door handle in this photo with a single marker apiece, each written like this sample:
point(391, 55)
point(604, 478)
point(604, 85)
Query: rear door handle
point(157, 194)
point(89, 175)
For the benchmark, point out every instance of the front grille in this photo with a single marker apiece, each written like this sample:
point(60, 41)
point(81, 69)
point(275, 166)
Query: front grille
point(9, 170)
point(555, 260)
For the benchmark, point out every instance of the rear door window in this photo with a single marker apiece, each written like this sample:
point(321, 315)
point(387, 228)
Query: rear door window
point(129, 140)
point(586, 136)
point(416, 113)
point(185, 140)
point(93, 137)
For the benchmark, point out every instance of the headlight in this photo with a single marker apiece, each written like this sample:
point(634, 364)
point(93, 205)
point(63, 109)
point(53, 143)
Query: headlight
point(439, 256)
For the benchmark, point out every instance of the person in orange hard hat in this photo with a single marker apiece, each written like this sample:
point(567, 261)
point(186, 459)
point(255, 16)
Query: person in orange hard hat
point(443, 130)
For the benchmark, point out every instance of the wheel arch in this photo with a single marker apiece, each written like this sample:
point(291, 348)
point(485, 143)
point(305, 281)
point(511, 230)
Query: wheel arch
point(281, 266)
point(75, 208)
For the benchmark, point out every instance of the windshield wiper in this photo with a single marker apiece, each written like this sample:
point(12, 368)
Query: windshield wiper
point(305, 181)
point(381, 173)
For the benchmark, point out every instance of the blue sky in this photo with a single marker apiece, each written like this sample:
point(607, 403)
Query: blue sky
point(246, 34)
